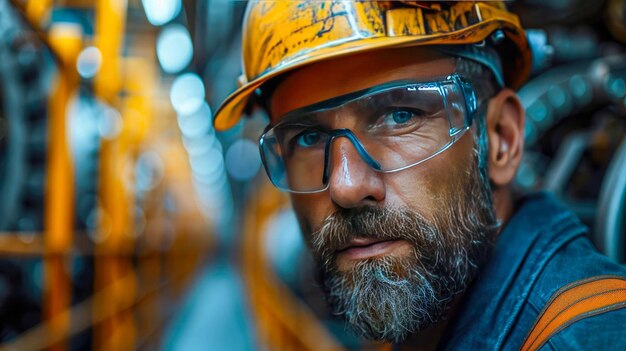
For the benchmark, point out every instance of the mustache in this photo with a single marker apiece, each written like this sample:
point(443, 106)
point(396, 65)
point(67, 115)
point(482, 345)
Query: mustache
point(338, 229)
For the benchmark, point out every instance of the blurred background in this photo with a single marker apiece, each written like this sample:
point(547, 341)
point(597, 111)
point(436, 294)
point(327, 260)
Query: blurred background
point(127, 222)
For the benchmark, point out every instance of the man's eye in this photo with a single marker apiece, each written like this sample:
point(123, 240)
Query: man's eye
point(399, 117)
point(308, 138)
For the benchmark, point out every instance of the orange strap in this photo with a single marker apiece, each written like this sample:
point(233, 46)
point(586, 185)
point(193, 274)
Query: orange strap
point(573, 302)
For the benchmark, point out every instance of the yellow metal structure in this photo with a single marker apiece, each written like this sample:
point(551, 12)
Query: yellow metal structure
point(59, 215)
point(280, 36)
point(37, 11)
point(117, 332)
point(110, 23)
point(136, 270)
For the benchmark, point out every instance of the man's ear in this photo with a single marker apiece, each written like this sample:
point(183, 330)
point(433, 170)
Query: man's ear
point(505, 129)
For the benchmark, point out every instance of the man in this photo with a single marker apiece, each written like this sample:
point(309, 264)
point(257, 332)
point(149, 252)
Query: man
point(397, 131)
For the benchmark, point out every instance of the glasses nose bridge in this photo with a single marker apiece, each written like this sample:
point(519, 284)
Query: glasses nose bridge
point(347, 133)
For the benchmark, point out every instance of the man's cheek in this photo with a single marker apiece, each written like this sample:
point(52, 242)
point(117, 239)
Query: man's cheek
point(311, 210)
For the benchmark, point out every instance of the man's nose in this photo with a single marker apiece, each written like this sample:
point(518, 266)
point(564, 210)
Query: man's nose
point(352, 182)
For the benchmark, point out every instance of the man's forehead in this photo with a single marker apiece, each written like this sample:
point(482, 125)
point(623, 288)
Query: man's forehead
point(328, 79)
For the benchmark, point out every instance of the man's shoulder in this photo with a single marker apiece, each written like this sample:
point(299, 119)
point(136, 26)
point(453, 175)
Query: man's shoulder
point(558, 250)
point(576, 261)
point(553, 250)
point(562, 254)
point(543, 248)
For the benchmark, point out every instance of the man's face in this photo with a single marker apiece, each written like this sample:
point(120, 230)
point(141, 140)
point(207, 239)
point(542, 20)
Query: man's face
point(393, 249)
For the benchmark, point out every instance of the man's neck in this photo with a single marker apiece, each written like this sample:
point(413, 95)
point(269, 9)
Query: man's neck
point(428, 339)
point(503, 203)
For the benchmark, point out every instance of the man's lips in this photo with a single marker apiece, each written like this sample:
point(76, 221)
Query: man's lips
point(361, 248)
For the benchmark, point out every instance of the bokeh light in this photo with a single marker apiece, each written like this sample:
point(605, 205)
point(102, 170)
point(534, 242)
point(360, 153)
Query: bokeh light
point(208, 163)
point(243, 160)
point(160, 12)
point(89, 62)
point(109, 123)
point(174, 48)
point(187, 94)
point(197, 124)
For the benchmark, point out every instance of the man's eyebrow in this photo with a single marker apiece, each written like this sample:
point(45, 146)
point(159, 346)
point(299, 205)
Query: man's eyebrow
point(293, 119)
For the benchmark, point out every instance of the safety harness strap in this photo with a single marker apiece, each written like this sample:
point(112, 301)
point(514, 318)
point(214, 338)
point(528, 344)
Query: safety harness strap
point(573, 302)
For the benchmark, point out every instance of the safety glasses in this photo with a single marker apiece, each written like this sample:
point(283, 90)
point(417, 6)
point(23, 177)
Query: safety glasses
point(392, 126)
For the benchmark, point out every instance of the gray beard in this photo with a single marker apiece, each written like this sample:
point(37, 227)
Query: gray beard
point(389, 298)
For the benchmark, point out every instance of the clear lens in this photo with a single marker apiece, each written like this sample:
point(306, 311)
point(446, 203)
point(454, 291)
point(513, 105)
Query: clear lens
point(393, 127)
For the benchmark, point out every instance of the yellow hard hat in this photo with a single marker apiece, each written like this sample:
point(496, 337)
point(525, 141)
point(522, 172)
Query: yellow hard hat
point(282, 35)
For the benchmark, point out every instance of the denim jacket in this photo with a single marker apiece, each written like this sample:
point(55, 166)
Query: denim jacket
point(542, 248)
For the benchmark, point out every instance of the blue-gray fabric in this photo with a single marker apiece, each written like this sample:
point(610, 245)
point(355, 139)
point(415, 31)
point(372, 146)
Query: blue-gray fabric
point(542, 248)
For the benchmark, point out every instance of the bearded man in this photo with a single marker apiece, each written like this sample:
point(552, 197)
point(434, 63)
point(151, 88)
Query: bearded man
point(396, 128)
